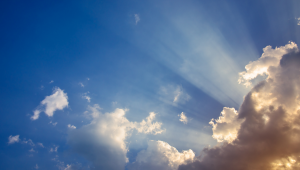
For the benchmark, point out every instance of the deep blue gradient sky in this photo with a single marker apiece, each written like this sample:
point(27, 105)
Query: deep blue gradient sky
point(196, 46)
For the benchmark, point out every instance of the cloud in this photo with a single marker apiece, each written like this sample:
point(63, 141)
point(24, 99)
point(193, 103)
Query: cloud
point(13, 139)
point(51, 82)
point(40, 144)
point(161, 156)
point(173, 94)
point(147, 126)
point(71, 126)
point(54, 124)
point(183, 118)
point(81, 84)
point(103, 140)
point(137, 18)
point(226, 127)
point(269, 136)
point(29, 142)
point(270, 57)
point(54, 149)
point(36, 166)
point(85, 96)
point(57, 101)
point(31, 150)
point(298, 21)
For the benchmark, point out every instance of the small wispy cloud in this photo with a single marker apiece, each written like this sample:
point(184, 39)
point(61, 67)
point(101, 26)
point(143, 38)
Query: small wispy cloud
point(53, 123)
point(298, 21)
point(29, 142)
point(71, 126)
point(40, 144)
point(137, 18)
point(173, 94)
point(183, 118)
point(13, 139)
point(31, 150)
point(51, 82)
point(85, 96)
point(54, 149)
point(81, 84)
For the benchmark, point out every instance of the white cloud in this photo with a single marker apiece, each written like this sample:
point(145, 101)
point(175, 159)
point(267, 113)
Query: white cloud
point(69, 167)
point(51, 82)
point(40, 144)
point(36, 166)
point(29, 142)
point(36, 114)
point(54, 124)
point(13, 139)
point(71, 126)
point(57, 101)
point(227, 126)
point(298, 23)
point(81, 84)
point(147, 126)
point(161, 156)
point(31, 150)
point(104, 138)
point(85, 96)
point(173, 94)
point(270, 57)
point(54, 149)
point(183, 118)
point(137, 18)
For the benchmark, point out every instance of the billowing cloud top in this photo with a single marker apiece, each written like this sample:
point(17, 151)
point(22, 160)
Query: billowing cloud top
point(269, 135)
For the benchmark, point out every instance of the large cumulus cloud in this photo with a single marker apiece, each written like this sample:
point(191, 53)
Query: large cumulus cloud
point(269, 134)
point(103, 141)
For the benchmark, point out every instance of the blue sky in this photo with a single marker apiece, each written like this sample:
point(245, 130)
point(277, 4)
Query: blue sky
point(92, 57)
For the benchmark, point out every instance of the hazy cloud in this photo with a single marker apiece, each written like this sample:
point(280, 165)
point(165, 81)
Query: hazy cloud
point(54, 149)
point(40, 144)
point(173, 94)
point(13, 139)
point(57, 101)
point(85, 96)
point(137, 18)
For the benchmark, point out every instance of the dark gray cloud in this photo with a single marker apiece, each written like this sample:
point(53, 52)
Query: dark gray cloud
point(269, 137)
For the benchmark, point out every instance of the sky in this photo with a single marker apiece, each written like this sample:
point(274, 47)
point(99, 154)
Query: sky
point(152, 84)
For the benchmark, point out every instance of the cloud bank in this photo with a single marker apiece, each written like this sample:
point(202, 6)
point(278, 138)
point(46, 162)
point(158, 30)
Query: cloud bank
point(269, 136)
point(103, 141)
point(57, 101)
